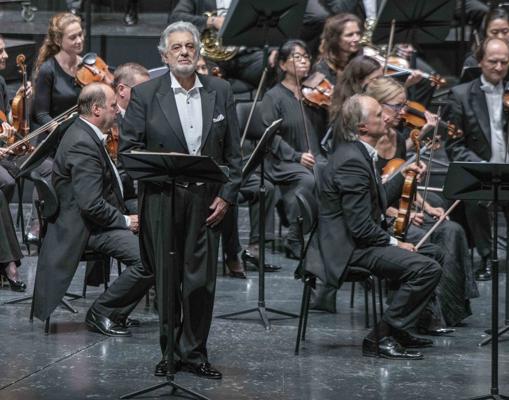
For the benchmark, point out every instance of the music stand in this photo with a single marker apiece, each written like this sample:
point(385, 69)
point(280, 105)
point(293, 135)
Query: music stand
point(488, 182)
point(257, 159)
point(416, 21)
point(170, 168)
point(261, 23)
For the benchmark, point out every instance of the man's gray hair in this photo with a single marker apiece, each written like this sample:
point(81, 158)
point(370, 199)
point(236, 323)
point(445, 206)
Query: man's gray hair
point(91, 94)
point(353, 113)
point(179, 26)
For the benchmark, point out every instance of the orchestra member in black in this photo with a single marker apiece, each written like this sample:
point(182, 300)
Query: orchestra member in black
point(352, 201)
point(296, 146)
point(476, 107)
point(91, 215)
point(190, 114)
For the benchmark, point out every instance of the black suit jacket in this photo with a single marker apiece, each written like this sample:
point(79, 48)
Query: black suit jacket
point(352, 202)
point(468, 110)
point(192, 11)
point(90, 201)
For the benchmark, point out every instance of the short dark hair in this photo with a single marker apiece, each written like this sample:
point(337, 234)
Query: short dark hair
point(286, 50)
point(125, 73)
point(91, 94)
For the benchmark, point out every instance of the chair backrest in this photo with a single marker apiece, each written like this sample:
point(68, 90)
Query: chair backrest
point(47, 195)
point(255, 130)
point(308, 207)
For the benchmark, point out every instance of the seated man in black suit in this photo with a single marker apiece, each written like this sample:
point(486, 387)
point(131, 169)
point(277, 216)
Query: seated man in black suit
point(476, 107)
point(352, 230)
point(91, 216)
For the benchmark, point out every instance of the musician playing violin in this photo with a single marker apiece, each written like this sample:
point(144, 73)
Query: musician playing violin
point(457, 284)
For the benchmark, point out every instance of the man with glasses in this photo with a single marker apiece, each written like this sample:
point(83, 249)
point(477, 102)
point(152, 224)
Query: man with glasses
point(477, 109)
point(185, 113)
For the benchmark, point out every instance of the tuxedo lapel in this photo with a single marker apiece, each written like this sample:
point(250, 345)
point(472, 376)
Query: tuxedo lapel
point(208, 102)
point(382, 199)
point(478, 103)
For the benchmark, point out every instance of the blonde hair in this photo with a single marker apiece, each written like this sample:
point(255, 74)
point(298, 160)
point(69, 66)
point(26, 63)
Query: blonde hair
point(53, 41)
point(384, 89)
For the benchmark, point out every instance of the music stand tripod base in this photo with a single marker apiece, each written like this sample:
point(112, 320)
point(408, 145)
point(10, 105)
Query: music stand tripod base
point(169, 382)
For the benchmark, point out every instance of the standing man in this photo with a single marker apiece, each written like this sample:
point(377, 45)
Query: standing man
point(352, 230)
point(181, 112)
point(91, 215)
point(476, 107)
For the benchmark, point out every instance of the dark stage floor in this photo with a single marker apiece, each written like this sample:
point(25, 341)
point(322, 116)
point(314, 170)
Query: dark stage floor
point(73, 363)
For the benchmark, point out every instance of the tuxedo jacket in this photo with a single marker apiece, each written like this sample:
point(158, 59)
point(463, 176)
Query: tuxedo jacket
point(192, 11)
point(90, 201)
point(352, 201)
point(468, 110)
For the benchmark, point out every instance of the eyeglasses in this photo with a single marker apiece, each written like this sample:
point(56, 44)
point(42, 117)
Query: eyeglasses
point(396, 107)
point(299, 57)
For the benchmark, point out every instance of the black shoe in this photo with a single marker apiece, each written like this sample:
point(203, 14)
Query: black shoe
point(162, 368)
point(105, 325)
point(131, 17)
point(129, 323)
point(248, 257)
point(234, 268)
point(484, 274)
point(292, 249)
point(409, 341)
point(435, 331)
point(389, 348)
point(204, 370)
point(16, 286)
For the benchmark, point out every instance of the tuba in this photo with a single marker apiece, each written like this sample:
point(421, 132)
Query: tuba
point(211, 44)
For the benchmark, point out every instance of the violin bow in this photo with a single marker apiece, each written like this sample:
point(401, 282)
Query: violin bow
point(389, 46)
point(301, 105)
point(437, 224)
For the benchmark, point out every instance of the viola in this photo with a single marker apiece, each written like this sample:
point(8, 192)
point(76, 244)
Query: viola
point(415, 119)
point(112, 142)
point(317, 90)
point(93, 69)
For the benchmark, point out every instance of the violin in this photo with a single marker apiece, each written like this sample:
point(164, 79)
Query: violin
point(407, 194)
point(112, 142)
point(20, 111)
point(317, 90)
point(415, 119)
point(93, 69)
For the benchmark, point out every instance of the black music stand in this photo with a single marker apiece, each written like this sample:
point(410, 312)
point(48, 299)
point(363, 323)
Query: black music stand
point(170, 168)
point(257, 159)
point(488, 182)
point(416, 21)
point(261, 23)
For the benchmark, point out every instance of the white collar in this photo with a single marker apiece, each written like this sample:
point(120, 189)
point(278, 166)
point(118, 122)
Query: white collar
point(489, 87)
point(177, 87)
point(102, 137)
point(371, 150)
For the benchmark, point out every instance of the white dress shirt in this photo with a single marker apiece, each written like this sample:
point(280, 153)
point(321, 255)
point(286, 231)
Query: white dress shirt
point(374, 158)
point(190, 113)
point(222, 6)
point(102, 137)
point(370, 8)
point(494, 97)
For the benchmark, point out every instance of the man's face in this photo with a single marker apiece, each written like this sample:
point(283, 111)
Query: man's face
point(375, 124)
point(124, 90)
point(495, 63)
point(182, 54)
point(3, 55)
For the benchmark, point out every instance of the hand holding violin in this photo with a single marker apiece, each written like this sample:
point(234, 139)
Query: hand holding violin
point(7, 131)
point(415, 77)
point(308, 160)
point(419, 169)
point(21, 90)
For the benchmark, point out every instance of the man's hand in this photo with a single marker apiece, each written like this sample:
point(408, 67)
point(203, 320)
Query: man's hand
point(134, 226)
point(435, 212)
point(7, 131)
point(406, 246)
point(215, 22)
point(419, 169)
point(417, 218)
point(308, 160)
point(414, 78)
point(219, 207)
point(3, 152)
point(22, 89)
point(272, 58)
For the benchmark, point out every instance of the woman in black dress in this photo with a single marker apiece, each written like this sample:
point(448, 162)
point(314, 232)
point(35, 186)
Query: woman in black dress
point(457, 284)
point(295, 148)
point(56, 89)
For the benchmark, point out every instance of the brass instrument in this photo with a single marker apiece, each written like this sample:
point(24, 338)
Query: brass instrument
point(212, 45)
point(369, 29)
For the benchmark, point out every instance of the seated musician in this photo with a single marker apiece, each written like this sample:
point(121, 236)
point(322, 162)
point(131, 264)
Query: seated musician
point(295, 149)
point(457, 285)
point(351, 206)
point(477, 109)
point(247, 65)
point(91, 216)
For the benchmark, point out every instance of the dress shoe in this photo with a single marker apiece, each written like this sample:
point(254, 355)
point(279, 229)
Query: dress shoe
point(389, 348)
point(105, 325)
point(204, 370)
point(16, 286)
point(234, 268)
point(292, 249)
point(129, 323)
point(248, 257)
point(162, 368)
point(32, 238)
point(435, 331)
point(483, 274)
point(409, 341)
point(131, 17)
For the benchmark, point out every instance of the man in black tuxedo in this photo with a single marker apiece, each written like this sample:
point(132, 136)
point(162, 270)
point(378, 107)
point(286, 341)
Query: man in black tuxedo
point(476, 107)
point(352, 230)
point(91, 215)
point(183, 113)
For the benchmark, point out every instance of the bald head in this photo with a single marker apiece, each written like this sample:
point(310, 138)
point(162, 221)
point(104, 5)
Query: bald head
point(97, 104)
point(494, 60)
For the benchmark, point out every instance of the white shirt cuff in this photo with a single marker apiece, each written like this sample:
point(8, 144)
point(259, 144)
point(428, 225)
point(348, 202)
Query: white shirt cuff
point(127, 221)
point(393, 241)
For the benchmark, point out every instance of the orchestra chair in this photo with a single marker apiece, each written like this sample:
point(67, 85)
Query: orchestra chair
point(308, 222)
point(47, 208)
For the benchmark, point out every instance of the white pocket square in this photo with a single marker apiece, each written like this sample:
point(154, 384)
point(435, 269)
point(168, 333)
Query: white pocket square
point(220, 117)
